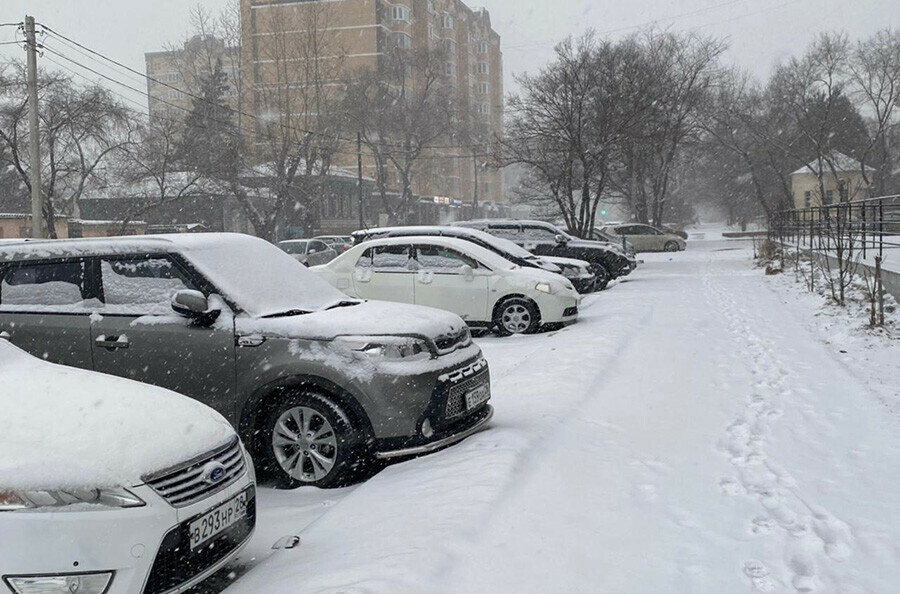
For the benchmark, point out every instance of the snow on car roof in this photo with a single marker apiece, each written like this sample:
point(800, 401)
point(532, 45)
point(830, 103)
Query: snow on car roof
point(499, 242)
point(124, 429)
point(481, 254)
point(256, 275)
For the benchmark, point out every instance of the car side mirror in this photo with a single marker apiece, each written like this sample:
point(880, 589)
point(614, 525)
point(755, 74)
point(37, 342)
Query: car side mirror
point(561, 239)
point(467, 272)
point(195, 306)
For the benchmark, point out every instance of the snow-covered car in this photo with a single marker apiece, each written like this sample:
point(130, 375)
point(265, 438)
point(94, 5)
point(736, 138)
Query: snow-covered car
point(110, 486)
point(577, 271)
point(316, 383)
point(646, 238)
point(457, 276)
point(309, 252)
point(598, 234)
point(339, 243)
point(544, 239)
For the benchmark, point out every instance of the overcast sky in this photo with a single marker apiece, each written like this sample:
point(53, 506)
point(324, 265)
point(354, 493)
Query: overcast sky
point(760, 32)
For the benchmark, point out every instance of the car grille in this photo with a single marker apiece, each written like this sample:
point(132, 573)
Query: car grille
point(450, 342)
point(570, 311)
point(176, 564)
point(187, 483)
point(456, 397)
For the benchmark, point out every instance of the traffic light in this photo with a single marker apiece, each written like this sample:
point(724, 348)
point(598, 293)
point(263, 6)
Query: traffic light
point(603, 212)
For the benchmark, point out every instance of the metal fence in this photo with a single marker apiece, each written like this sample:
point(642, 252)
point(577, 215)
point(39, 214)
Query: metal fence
point(860, 228)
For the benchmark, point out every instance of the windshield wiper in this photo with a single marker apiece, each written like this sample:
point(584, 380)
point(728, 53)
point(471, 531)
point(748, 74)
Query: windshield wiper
point(287, 313)
point(343, 303)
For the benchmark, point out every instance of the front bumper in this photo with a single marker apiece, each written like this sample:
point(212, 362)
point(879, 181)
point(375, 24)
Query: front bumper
point(480, 423)
point(127, 542)
point(584, 284)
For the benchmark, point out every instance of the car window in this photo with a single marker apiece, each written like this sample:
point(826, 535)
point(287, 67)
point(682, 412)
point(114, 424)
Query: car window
point(628, 230)
point(317, 246)
point(505, 231)
point(443, 260)
point(294, 247)
point(387, 258)
point(51, 286)
point(538, 234)
point(141, 286)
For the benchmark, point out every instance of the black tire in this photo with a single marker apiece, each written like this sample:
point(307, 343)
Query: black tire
point(516, 312)
point(603, 276)
point(345, 448)
point(671, 246)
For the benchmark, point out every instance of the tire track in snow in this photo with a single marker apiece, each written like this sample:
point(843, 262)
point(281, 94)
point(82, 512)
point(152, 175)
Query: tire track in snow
point(805, 528)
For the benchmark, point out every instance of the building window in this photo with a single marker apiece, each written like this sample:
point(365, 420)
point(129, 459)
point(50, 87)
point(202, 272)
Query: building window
point(807, 199)
point(400, 12)
point(431, 33)
point(483, 108)
point(431, 6)
point(482, 88)
point(481, 47)
point(170, 77)
point(449, 68)
point(173, 95)
point(829, 196)
point(449, 46)
point(447, 21)
point(843, 190)
point(402, 40)
point(482, 68)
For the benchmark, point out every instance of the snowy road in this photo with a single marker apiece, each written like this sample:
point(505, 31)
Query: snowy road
point(690, 434)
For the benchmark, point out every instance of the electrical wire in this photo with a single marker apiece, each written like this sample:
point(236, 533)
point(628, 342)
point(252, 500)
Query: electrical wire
point(231, 128)
point(387, 146)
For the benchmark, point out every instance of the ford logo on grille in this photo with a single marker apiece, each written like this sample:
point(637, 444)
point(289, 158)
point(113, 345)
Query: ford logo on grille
point(214, 472)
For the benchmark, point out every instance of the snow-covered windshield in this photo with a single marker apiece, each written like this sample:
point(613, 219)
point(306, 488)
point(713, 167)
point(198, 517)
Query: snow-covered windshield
point(260, 278)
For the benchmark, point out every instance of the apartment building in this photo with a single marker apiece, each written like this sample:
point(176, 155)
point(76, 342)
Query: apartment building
point(360, 35)
point(178, 73)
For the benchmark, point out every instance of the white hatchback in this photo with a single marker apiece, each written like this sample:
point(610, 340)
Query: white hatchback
point(458, 276)
point(111, 486)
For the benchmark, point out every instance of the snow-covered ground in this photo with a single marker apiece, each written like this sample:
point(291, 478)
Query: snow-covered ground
point(699, 430)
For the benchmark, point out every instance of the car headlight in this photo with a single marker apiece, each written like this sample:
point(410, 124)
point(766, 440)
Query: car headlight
point(544, 287)
point(13, 500)
point(82, 583)
point(387, 347)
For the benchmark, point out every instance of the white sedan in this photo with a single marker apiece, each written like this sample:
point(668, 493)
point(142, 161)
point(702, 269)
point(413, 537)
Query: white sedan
point(110, 486)
point(458, 276)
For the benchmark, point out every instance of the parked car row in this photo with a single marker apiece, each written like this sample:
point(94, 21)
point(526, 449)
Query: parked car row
point(316, 385)
point(306, 374)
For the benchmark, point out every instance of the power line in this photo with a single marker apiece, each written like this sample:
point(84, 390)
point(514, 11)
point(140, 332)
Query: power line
point(388, 146)
point(231, 129)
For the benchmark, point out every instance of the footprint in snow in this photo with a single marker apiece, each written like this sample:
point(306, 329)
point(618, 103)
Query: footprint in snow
point(759, 576)
point(763, 525)
point(731, 486)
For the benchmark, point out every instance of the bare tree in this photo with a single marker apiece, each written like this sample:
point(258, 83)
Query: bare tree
point(81, 128)
point(874, 72)
point(402, 110)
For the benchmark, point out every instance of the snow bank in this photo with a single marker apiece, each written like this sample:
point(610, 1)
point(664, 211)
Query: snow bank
point(62, 427)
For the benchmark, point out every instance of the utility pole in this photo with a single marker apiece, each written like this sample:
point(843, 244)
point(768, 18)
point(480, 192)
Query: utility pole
point(37, 198)
point(475, 193)
point(362, 224)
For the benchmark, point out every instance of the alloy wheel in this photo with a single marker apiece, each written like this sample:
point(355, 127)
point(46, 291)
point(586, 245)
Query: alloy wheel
point(305, 444)
point(515, 318)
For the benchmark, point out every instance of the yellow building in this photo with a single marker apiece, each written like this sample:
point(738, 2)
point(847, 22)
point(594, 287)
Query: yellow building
point(841, 181)
point(18, 226)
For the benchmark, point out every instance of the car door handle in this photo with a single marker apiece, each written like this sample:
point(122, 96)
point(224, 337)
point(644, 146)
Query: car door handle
point(425, 276)
point(112, 342)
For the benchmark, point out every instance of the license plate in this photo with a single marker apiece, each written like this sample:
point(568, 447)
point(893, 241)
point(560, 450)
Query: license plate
point(477, 396)
point(217, 520)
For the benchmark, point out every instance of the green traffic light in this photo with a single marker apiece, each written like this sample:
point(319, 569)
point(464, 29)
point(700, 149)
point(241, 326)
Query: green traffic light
point(603, 212)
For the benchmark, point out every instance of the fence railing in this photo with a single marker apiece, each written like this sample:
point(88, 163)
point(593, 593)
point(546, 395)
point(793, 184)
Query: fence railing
point(861, 228)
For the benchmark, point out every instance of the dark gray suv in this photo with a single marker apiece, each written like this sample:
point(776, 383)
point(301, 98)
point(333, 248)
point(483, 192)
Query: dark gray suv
point(315, 382)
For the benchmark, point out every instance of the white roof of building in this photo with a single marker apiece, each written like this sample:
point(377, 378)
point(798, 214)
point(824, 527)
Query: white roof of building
point(840, 161)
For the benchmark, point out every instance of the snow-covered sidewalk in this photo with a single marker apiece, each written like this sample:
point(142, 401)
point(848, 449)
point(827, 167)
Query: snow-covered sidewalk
point(692, 433)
